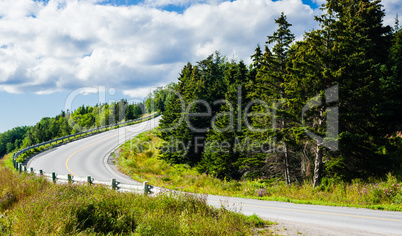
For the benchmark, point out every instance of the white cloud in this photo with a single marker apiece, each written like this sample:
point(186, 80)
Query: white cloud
point(67, 44)
point(392, 8)
point(139, 93)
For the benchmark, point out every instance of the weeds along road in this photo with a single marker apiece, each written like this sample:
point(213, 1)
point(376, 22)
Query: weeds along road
point(87, 157)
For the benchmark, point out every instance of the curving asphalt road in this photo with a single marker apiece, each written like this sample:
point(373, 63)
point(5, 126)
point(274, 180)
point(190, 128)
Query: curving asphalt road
point(87, 157)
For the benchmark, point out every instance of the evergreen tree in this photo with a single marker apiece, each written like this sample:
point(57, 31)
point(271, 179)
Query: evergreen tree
point(220, 158)
point(269, 87)
point(346, 51)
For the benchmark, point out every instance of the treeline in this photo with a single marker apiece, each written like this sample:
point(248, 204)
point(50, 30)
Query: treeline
point(157, 100)
point(325, 106)
point(69, 122)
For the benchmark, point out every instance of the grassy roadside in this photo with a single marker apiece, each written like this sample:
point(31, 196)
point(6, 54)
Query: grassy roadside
point(30, 205)
point(140, 159)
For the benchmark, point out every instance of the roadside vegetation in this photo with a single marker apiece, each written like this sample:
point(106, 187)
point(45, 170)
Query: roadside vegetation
point(30, 205)
point(141, 159)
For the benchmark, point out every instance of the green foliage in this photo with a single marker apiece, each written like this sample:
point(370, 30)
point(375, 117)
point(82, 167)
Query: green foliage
point(84, 118)
point(12, 139)
point(159, 98)
point(351, 51)
point(26, 200)
point(375, 193)
point(200, 82)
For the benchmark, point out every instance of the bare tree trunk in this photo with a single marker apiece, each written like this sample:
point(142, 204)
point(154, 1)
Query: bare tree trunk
point(305, 163)
point(318, 165)
point(286, 155)
point(287, 172)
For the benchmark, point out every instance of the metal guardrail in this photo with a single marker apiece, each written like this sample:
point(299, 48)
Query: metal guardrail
point(146, 188)
point(69, 179)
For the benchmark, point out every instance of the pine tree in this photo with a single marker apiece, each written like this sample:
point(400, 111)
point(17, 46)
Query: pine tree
point(345, 51)
point(202, 82)
point(220, 156)
point(269, 86)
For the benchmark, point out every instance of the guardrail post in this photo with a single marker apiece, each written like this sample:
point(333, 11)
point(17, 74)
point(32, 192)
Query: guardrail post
point(146, 188)
point(41, 172)
point(25, 168)
point(20, 168)
point(114, 184)
point(69, 178)
point(54, 177)
point(89, 180)
point(32, 170)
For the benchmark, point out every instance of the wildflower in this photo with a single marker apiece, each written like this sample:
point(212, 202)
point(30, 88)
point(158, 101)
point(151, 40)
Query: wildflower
point(261, 192)
point(364, 191)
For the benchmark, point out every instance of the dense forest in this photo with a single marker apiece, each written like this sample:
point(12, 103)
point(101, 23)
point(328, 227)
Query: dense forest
point(326, 106)
point(83, 118)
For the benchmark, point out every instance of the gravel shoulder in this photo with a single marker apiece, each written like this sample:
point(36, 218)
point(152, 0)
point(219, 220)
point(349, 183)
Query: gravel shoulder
point(296, 228)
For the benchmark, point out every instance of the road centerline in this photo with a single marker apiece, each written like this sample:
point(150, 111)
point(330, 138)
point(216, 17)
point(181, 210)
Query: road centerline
point(111, 136)
point(315, 212)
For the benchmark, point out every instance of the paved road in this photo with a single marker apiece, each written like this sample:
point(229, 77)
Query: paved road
point(87, 157)
point(332, 220)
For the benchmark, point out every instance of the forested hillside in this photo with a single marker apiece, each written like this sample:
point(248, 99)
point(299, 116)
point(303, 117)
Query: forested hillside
point(83, 118)
point(326, 106)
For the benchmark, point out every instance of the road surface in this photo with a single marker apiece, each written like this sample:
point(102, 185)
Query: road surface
point(87, 157)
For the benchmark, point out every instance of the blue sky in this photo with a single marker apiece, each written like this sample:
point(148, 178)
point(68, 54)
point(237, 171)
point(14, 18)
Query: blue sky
point(48, 49)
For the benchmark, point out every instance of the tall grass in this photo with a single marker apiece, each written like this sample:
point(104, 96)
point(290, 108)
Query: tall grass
point(140, 158)
point(30, 205)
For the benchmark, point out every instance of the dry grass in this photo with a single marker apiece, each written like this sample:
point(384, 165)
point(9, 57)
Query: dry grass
point(31, 205)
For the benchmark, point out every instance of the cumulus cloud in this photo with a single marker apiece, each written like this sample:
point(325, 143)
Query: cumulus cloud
point(392, 8)
point(61, 45)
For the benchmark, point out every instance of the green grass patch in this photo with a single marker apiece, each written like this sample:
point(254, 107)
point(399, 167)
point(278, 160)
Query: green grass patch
point(30, 205)
point(140, 158)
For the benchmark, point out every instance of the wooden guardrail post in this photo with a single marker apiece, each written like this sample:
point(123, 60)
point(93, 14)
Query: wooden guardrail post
point(54, 177)
point(89, 180)
point(20, 168)
point(146, 188)
point(25, 168)
point(69, 178)
point(114, 184)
